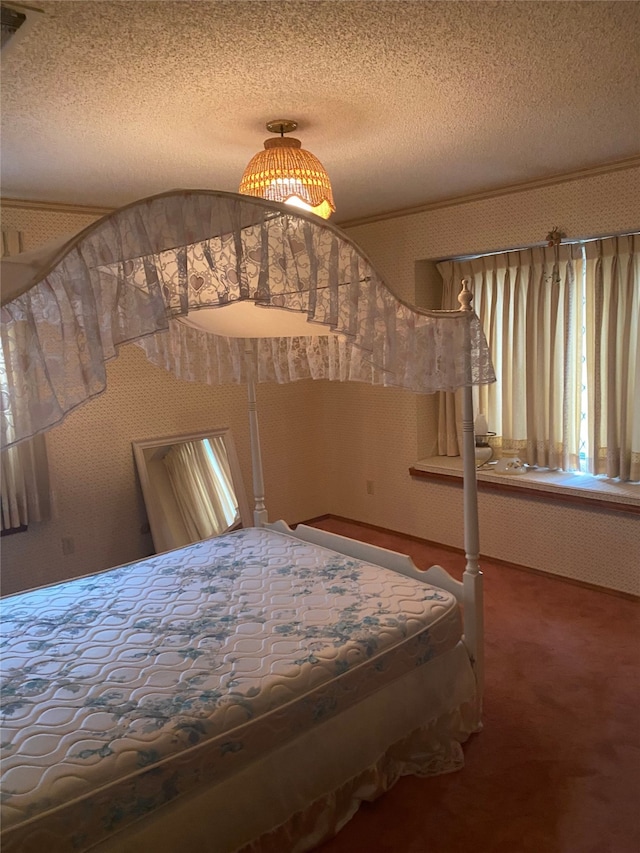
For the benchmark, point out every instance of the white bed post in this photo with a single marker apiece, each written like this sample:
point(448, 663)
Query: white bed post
point(259, 509)
point(472, 577)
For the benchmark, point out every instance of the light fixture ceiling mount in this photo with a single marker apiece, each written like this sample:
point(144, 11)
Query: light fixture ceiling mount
point(287, 172)
point(282, 126)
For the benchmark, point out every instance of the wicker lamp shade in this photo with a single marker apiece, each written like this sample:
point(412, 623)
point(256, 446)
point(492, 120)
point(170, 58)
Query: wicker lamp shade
point(286, 172)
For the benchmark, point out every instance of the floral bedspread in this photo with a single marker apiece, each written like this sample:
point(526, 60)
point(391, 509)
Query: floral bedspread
point(124, 689)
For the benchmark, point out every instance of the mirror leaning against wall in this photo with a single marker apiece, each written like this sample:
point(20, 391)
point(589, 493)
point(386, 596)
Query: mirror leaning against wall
point(192, 487)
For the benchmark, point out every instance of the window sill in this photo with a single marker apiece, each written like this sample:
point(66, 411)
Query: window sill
point(580, 489)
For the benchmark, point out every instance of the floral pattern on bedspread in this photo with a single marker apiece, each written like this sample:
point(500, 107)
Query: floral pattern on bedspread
point(232, 646)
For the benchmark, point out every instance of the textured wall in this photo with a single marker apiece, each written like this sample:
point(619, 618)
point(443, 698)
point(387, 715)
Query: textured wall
point(40, 227)
point(323, 441)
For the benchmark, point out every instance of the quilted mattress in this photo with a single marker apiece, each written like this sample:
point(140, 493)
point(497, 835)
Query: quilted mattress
point(125, 689)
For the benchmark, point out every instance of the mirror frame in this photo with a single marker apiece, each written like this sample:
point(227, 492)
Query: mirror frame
point(155, 511)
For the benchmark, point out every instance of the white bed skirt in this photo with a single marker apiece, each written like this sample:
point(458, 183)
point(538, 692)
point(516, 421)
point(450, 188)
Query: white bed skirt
point(304, 792)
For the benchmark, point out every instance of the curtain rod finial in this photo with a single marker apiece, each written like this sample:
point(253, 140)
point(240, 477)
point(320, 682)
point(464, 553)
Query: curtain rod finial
point(555, 236)
point(465, 297)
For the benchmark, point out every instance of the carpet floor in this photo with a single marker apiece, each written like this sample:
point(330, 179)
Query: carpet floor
point(557, 767)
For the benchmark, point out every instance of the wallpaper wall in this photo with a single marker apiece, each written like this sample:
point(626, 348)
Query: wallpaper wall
point(328, 447)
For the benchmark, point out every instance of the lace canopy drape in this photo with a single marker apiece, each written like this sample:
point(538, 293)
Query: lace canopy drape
point(133, 274)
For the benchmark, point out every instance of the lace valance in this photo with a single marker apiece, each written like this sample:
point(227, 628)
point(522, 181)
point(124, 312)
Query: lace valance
point(161, 271)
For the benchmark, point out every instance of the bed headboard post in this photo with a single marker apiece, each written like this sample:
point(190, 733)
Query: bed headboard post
point(472, 577)
point(259, 510)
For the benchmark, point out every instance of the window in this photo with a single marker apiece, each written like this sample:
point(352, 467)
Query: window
point(24, 495)
point(562, 325)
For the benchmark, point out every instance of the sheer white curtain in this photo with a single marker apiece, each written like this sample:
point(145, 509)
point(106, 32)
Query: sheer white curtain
point(613, 356)
point(202, 485)
point(24, 494)
point(25, 484)
point(563, 332)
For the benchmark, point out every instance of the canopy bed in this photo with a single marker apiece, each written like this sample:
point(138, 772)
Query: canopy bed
point(245, 692)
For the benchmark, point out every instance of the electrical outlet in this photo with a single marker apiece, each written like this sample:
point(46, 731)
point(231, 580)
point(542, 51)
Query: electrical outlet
point(68, 545)
point(370, 487)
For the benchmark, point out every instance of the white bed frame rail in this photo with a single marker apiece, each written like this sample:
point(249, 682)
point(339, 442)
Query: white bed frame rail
point(368, 553)
point(473, 602)
point(260, 517)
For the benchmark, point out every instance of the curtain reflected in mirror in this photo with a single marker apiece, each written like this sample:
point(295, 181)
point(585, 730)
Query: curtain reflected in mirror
point(192, 487)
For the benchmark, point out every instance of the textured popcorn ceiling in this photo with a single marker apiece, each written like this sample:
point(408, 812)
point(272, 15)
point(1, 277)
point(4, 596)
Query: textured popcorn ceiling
point(405, 103)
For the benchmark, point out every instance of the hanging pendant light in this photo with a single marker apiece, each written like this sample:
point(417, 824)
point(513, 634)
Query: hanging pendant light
point(286, 172)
